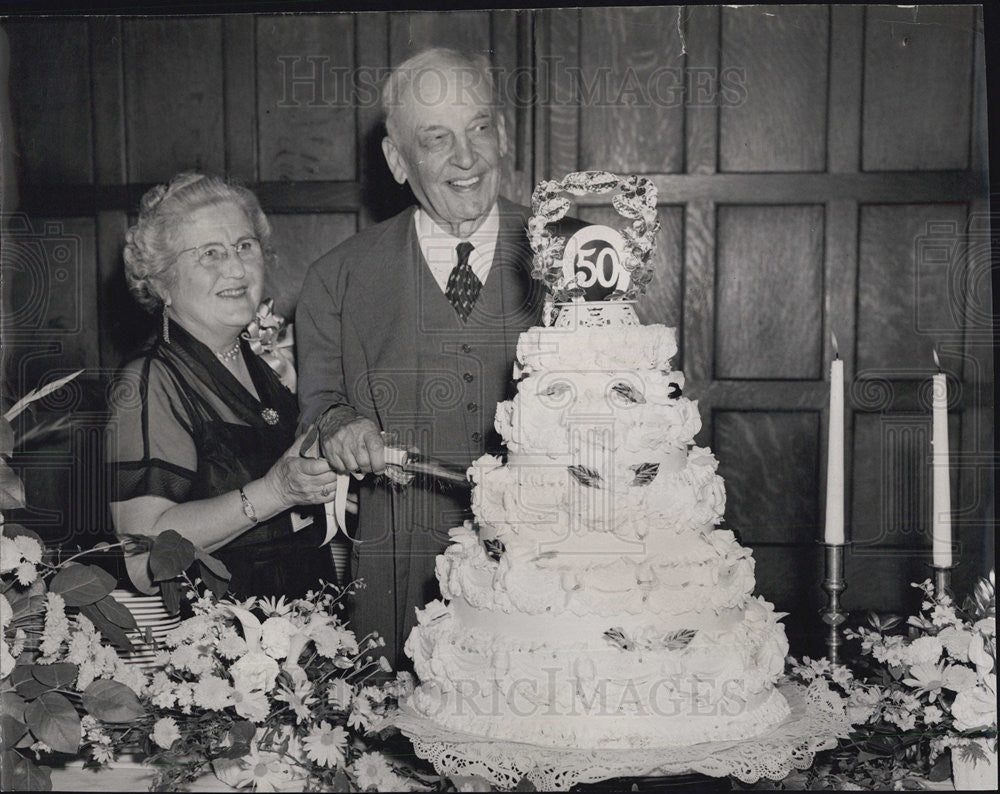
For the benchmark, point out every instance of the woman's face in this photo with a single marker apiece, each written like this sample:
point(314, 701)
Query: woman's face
point(215, 291)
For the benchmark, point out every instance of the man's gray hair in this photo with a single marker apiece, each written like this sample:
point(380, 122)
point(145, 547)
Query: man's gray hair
point(475, 68)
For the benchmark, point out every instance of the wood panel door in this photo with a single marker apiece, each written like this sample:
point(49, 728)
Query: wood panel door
point(820, 170)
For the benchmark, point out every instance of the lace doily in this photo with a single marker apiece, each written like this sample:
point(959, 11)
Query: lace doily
point(812, 726)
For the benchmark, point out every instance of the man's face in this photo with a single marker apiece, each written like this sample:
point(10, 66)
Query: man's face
point(447, 142)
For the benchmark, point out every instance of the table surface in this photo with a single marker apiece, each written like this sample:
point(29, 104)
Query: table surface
point(121, 776)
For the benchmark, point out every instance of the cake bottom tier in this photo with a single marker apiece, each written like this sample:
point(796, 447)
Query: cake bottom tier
point(678, 722)
point(595, 691)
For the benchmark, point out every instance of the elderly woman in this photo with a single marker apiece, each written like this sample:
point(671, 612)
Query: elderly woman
point(202, 435)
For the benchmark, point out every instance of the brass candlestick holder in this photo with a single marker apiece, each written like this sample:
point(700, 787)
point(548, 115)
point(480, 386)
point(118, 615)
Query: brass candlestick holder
point(834, 584)
point(942, 579)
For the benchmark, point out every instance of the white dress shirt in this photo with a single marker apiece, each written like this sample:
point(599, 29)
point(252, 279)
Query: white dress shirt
point(439, 247)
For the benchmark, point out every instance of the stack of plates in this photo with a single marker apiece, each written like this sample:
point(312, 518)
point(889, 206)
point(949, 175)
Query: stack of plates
point(340, 551)
point(149, 612)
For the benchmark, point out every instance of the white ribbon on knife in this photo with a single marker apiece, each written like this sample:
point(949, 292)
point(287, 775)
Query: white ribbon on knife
point(336, 508)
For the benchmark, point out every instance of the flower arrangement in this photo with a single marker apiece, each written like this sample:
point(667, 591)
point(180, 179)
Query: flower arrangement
point(267, 694)
point(911, 696)
point(271, 694)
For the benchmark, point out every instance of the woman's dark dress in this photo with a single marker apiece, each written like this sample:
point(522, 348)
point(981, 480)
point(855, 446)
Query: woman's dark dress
point(184, 428)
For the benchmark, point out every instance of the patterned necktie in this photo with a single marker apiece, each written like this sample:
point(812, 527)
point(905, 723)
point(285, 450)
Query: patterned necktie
point(463, 285)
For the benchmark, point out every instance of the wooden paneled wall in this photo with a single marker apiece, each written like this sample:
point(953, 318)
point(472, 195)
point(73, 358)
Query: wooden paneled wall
point(828, 188)
point(821, 170)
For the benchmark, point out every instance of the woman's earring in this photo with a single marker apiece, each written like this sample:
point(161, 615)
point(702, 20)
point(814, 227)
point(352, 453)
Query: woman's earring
point(166, 324)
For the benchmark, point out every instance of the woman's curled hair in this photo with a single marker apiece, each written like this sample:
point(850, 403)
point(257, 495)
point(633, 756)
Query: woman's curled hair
point(149, 245)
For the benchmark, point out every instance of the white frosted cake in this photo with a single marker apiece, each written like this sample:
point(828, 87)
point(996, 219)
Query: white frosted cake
point(594, 604)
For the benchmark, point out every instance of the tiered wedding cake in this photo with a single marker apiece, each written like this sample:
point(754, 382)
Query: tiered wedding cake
point(594, 603)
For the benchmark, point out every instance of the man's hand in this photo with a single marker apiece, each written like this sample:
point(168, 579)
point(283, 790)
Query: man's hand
point(355, 448)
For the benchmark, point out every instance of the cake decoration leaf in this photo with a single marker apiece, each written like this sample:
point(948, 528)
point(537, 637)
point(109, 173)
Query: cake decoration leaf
point(669, 641)
point(645, 473)
point(585, 476)
point(557, 388)
point(616, 636)
point(494, 548)
point(628, 393)
point(678, 640)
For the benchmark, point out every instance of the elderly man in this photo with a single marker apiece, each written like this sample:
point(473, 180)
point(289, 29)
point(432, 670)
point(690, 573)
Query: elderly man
point(411, 326)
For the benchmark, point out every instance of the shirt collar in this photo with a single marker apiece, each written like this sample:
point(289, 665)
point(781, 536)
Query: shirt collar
point(439, 246)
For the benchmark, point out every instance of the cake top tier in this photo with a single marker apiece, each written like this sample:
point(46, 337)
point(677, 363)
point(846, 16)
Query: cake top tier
point(589, 348)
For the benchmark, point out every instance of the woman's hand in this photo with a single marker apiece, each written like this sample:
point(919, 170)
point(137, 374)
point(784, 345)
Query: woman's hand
point(294, 480)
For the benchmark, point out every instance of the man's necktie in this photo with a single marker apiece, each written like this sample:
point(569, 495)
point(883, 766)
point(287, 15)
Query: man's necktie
point(463, 285)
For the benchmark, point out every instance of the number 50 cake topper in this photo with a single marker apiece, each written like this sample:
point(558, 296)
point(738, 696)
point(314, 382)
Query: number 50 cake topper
point(598, 262)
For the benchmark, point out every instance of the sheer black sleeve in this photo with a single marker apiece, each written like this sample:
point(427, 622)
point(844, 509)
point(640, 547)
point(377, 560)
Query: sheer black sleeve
point(150, 439)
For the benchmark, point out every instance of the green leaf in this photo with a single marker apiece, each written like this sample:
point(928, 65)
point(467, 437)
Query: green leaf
point(53, 720)
point(171, 593)
point(212, 582)
point(240, 734)
point(12, 704)
point(170, 556)
point(11, 729)
point(107, 628)
point(21, 774)
point(24, 603)
point(214, 564)
point(56, 675)
point(25, 683)
point(82, 584)
point(340, 782)
point(6, 437)
point(16, 530)
point(941, 770)
point(116, 613)
point(11, 488)
point(112, 701)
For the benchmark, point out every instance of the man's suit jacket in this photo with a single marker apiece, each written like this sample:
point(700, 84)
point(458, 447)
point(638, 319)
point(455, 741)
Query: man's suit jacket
point(376, 337)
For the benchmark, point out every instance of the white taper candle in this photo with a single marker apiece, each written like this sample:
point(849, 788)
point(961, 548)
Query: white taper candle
point(941, 519)
point(834, 531)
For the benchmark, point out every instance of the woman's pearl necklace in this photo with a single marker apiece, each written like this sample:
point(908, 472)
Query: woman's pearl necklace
point(231, 353)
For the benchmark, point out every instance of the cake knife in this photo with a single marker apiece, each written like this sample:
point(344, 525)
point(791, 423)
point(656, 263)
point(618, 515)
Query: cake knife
point(414, 463)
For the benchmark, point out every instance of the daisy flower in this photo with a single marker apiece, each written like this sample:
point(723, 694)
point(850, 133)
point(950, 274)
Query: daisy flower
point(371, 770)
point(927, 678)
point(264, 771)
point(340, 694)
point(270, 606)
point(231, 645)
point(165, 732)
point(252, 705)
point(29, 549)
point(300, 699)
point(326, 745)
point(213, 693)
point(932, 715)
point(26, 573)
point(361, 715)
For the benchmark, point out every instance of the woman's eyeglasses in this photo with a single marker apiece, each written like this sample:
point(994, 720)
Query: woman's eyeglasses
point(247, 250)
